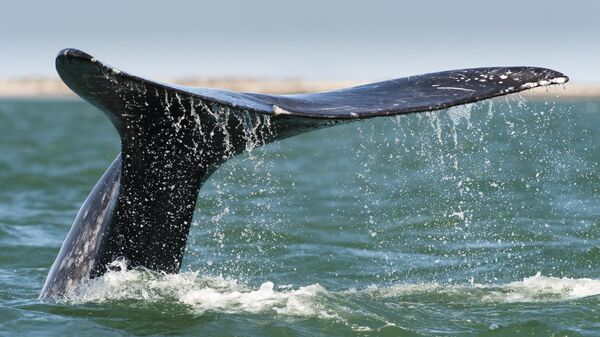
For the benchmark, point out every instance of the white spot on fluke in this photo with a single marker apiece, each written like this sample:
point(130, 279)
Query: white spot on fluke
point(529, 85)
point(544, 82)
point(558, 80)
point(279, 111)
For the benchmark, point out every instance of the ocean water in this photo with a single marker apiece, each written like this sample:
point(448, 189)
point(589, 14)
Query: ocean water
point(481, 220)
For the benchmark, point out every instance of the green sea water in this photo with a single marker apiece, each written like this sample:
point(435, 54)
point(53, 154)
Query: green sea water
point(474, 221)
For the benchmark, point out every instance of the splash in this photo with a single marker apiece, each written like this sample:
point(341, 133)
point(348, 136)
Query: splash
point(454, 147)
point(234, 299)
point(217, 294)
point(457, 114)
point(203, 294)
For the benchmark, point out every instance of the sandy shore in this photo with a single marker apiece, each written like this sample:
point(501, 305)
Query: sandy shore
point(54, 87)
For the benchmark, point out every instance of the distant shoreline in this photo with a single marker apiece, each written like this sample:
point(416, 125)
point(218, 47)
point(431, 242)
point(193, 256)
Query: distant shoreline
point(55, 88)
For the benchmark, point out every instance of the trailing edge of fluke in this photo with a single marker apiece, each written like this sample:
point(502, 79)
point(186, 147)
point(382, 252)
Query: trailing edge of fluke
point(174, 137)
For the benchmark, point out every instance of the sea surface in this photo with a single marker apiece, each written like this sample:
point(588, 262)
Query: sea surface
point(481, 220)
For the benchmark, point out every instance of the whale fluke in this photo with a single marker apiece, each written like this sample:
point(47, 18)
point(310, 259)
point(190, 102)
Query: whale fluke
point(174, 137)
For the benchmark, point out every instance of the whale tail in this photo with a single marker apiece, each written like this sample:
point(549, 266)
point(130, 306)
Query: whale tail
point(174, 137)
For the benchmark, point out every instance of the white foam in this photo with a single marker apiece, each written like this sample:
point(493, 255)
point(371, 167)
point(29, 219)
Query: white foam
point(539, 287)
point(218, 294)
point(203, 293)
point(300, 302)
point(536, 288)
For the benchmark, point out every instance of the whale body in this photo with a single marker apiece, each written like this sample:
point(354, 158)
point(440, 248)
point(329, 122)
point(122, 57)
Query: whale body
point(174, 137)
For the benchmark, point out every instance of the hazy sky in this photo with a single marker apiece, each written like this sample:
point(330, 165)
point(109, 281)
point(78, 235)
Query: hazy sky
point(307, 39)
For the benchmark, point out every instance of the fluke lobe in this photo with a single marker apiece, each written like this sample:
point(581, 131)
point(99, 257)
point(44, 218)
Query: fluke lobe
point(174, 137)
